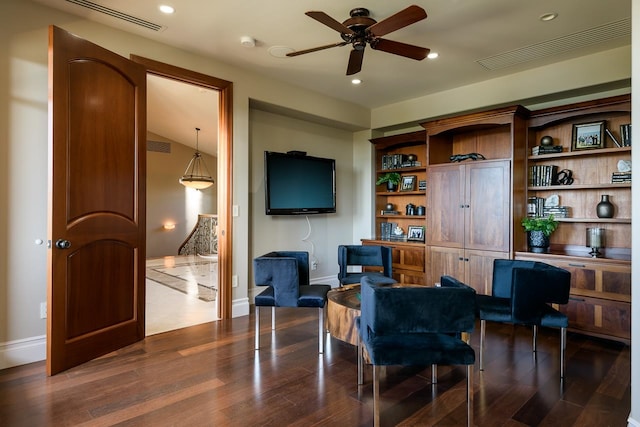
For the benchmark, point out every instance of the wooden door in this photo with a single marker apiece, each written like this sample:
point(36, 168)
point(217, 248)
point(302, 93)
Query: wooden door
point(487, 206)
point(446, 205)
point(443, 261)
point(96, 264)
point(479, 269)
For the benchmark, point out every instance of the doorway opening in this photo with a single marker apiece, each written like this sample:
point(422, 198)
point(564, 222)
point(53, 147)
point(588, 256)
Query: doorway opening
point(216, 115)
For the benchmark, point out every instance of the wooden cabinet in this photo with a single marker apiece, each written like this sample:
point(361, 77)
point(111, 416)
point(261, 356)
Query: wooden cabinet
point(591, 171)
point(600, 302)
point(393, 155)
point(408, 260)
point(474, 205)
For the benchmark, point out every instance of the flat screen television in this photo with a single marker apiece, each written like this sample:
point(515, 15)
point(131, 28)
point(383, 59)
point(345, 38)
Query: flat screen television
point(297, 184)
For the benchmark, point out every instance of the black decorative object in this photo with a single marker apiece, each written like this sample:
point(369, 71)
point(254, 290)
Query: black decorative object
point(538, 241)
point(460, 157)
point(546, 141)
point(604, 209)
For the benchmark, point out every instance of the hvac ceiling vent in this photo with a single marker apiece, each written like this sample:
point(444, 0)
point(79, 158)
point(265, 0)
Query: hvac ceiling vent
point(159, 146)
point(562, 44)
point(118, 15)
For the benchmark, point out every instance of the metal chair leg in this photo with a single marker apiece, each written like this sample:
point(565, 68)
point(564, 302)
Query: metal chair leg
point(376, 396)
point(257, 313)
point(469, 395)
point(360, 362)
point(563, 347)
point(483, 326)
point(434, 374)
point(535, 338)
point(273, 318)
point(321, 330)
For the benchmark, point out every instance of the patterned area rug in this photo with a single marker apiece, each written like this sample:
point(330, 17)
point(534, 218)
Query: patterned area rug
point(193, 276)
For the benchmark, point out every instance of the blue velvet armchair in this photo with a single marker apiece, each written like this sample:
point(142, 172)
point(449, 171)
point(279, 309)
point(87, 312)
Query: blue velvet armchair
point(416, 325)
point(521, 294)
point(363, 256)
point(286, 276)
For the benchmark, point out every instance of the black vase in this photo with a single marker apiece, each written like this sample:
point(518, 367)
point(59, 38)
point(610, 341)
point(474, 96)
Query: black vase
point(391, 186)
point(538, 242)
point(604, 208)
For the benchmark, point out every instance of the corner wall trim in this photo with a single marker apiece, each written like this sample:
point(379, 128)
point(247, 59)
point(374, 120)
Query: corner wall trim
point(21, 352)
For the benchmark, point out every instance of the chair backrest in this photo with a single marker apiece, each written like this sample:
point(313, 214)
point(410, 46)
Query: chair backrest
point(529, 285)
point(285, 271)
point(397, 309)
point(364, 255)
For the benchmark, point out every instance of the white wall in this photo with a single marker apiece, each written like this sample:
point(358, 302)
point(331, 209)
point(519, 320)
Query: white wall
point(273, 132)
point(170, 202)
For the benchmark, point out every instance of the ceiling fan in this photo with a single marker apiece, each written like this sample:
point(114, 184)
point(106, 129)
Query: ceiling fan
point(361, 29)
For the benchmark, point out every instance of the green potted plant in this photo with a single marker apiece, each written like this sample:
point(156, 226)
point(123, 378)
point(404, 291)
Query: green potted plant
point(391, 178)
point(539, 230)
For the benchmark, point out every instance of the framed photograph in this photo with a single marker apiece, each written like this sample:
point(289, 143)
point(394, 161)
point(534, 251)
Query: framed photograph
point(408, 183)
point(587, 136)
point(416, 233)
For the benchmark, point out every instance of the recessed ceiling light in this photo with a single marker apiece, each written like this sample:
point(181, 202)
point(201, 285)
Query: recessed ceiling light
point(165, 8)
point(356, 81)
point(280, 51)
point(548, 16)
point(432, 55)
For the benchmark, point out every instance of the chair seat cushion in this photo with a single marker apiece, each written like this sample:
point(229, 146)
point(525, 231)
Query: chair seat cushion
point(493, 308)
point(310, 296)
point(552, 318)
point(313, 295)
point(419, 349)
point(352, 278)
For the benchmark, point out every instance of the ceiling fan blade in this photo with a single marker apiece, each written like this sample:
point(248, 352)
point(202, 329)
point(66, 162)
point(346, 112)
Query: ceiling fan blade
point(355, 61)
point(401, 19)
point(402, 49)
point(325, 19)
point(315, 49)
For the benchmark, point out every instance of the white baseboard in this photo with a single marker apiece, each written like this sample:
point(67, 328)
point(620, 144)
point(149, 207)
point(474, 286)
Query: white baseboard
point(240, 307)
point(21, 352)
point(632, 422)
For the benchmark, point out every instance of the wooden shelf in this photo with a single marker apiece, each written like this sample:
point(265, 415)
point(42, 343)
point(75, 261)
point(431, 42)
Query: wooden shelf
point(591, 220)
point(580, 153)
point(573, 187)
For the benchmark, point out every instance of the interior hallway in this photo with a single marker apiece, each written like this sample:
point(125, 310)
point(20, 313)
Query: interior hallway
point(181, 292)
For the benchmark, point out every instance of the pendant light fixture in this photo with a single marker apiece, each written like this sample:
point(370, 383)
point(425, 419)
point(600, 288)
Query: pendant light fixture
point(197, 175)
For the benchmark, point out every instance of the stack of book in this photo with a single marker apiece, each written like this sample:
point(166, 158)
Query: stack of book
point(383, 212)
point(542, 175)
point(535, 207)
point(556, 211)
point(546, 149)
point(386, 230)
point(621, 177)
point(625, 135)
point(397, 161)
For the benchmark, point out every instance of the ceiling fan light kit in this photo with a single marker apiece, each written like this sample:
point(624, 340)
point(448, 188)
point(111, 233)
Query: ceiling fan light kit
point(360, 29)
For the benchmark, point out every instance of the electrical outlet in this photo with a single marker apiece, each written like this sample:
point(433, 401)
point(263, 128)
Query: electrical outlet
point(234, 281)
point(43, 310)
point(314, 265)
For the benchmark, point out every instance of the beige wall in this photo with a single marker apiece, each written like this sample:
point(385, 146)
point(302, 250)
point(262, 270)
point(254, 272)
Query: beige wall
point(274, 132)
point(170, 202)
point(23, 141)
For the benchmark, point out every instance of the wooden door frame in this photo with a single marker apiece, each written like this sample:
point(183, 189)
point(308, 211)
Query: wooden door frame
point(225, 154)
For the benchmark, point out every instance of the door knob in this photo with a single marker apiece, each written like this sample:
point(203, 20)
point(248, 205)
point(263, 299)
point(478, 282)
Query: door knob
point(63, 244)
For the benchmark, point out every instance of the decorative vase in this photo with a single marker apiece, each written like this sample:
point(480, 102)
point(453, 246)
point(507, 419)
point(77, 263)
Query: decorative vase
point(538, 242)
point(604, 209)
point(391, 186)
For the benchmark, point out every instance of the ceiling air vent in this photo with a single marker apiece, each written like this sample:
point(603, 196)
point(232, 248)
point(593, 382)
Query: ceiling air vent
point(562, 44)
point(116, 14)
point(159, 146)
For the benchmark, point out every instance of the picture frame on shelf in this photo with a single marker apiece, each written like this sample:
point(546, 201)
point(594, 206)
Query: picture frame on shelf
point(415, 233)
point(408, 183)
point(587, 136)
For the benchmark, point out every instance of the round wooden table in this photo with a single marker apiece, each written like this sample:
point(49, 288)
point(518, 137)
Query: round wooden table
point(343, 306)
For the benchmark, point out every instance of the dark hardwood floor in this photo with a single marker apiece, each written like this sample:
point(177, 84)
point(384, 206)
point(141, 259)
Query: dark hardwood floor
point(210, 375)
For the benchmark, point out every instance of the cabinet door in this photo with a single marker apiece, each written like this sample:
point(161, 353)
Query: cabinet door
point(479, 269)
point(487, 203)
point(444, 261)
point(446, 207)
